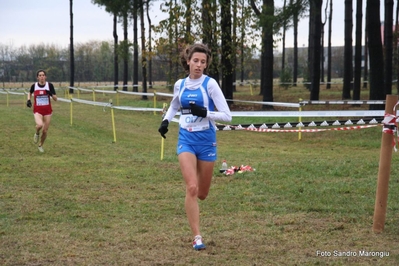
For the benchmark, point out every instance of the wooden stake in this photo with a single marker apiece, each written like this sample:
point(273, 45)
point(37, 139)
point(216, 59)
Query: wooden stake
point(380, 207)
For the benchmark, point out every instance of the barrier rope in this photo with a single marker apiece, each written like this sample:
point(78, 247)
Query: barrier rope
point(390, 126)
point(309, 130)
point(273, 130)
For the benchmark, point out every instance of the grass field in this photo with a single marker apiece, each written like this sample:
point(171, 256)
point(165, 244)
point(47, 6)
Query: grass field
point(89, 201)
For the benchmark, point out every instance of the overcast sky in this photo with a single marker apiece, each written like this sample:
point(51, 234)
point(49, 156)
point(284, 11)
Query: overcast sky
point(26, 22)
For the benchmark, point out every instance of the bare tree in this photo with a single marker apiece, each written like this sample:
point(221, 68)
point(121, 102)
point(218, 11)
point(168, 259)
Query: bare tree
point(388, 39)
point(396, 51)
point(227, 50)
point(147, 3)
point(346, 90)
point(295, 25)
point(283, 49)
point(315, 6)
point(210, 34)
point(116, 60)
point(118, 8)
point(234, 45)
point(71, 47)
point(143, 51)
point(125, 52)
point(375, 53)
point(188, 16)
point(135, 48)
point(266, 17)
point(366, 57)
point(322, 43)
point(329, 46)
point(309, 73)
point(242, 33)
point(358, 51)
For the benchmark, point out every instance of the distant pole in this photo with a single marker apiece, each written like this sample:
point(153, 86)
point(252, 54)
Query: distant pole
point(388, 136)
point(300, 120)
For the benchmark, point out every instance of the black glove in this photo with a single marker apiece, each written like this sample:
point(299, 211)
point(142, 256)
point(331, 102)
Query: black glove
point(163, 129)
point(49, 93)
point(29, 103)
point(198, 110)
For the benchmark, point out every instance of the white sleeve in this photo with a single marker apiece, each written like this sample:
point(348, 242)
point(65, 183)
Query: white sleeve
point(222, 112)
point(175, 103)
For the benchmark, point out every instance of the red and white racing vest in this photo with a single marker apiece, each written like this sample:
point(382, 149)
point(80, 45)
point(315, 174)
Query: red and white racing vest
point(42, 103)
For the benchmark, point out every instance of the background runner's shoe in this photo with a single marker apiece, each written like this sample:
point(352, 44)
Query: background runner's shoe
point(36, 138)
point(197, 243)
point(40, 148)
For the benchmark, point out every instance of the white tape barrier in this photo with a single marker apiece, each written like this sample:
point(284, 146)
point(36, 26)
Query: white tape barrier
point(137, 93)
point(80, 89)
point(128, 108)
point(281, 104)
point(12, 92)
point(343, 102)
point(123, 86)
point(104, 91)
point(124, 92)
point(164, 94)
point(63, 100)
point(307, 130)
point(137, 108)
point(91, 102)
point(296, 105)
point(355, 113)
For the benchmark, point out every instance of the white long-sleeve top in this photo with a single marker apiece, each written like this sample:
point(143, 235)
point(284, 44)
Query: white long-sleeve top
point(222, 112)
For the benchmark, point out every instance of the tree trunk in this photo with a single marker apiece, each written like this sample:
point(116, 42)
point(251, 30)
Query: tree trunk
point(388, 38)
point(188, 37)
point(323, 24)
point(176, 47)
point(226, 60)
point(348, 67)
point(329, 46)
point(366, 58)
point(135, 49)
point(396, 57)
point(242, 53)
point(234, 45)
point(143, 52)
point(358, 51)
point(310, 46)
point(376, 55)
point(267, 58)
point(209, 8)
point(316, 5)
point(170, 39)
point(125, 53)
point(71, 51)
point(283, 49)
point(295, 66)
point(149, 45)
point(116, 61)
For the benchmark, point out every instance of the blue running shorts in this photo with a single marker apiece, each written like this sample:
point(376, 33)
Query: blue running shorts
point(203, 153)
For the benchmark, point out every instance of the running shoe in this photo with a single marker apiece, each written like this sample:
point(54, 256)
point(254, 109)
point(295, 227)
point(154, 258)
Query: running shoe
point(36, 138)
point(40, 148)
point(197, 243)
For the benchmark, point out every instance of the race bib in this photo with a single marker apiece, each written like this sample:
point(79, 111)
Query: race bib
point(193, 123)
point(42, 100)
